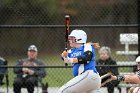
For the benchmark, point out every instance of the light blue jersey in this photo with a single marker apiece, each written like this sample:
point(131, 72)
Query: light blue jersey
point(80, 68)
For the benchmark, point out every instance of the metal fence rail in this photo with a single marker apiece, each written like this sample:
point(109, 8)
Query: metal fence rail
point(71, 26)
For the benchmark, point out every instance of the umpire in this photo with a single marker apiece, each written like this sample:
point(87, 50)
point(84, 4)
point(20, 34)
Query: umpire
point(28, 77)
point(106, 60)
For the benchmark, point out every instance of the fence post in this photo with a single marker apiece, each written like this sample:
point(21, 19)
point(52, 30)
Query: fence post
point(138, 27)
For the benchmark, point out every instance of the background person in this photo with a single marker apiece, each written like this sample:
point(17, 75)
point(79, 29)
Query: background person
point(106, 59)
point(28, 77)
point(3, 70)
point(82, 57)
point(130, 78)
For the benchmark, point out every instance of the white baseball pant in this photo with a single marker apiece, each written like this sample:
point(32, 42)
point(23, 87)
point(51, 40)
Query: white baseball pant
point(87, 82)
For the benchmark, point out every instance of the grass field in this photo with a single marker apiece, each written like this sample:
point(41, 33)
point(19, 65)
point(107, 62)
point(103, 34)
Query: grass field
point(55, 76)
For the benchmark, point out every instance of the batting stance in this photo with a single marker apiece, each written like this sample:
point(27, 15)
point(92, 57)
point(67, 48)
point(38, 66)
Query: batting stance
point(131, 78)
point(82, 57)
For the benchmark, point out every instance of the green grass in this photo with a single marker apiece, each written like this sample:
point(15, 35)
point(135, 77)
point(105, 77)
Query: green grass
point(56, 77)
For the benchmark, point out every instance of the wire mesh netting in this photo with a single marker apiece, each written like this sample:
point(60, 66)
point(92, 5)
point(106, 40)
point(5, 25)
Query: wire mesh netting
point(42, 23)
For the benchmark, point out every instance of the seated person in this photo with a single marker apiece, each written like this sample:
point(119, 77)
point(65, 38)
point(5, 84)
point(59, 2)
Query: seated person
point(3, 70)
point(105, 59)
point(28, 77)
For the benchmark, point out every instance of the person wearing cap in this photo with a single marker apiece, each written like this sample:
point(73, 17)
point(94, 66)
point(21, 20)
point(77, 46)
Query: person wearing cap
point(131, 78)
point(25, 76)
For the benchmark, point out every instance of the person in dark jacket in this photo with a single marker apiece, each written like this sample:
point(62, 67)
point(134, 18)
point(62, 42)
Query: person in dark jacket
point(26, 76)
point(3, 70)
point(105, 59)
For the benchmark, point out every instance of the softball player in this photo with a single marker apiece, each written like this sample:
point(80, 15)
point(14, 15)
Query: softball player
point(82, 57)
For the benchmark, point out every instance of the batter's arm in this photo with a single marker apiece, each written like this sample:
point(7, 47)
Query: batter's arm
point(80, 59)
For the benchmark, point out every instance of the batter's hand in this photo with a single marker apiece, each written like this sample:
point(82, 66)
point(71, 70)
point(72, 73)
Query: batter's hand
point(68, 60)
point(64, 54)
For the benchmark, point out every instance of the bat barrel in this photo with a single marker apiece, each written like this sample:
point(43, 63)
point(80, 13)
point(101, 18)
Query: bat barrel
point(67, 22)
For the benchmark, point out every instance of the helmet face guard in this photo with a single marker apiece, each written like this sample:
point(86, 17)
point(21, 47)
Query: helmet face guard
point(80, 36)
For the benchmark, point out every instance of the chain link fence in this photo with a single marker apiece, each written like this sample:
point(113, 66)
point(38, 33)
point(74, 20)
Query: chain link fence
point(41, 22)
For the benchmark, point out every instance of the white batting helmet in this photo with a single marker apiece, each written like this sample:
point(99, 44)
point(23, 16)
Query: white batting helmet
point(138, 59)
point(80, 36)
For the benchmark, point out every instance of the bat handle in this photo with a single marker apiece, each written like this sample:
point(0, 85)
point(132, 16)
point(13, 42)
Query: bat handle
point(66, 64)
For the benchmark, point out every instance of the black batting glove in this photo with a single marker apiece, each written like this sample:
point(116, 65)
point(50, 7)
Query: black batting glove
point(120, 77)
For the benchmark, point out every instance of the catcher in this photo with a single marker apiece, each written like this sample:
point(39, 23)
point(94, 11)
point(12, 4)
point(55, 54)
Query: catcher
point(131, 78)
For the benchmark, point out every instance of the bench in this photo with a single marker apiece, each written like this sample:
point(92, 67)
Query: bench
point(128, 39)
point(127, 52)
point(128, 85)
point(126, 63)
